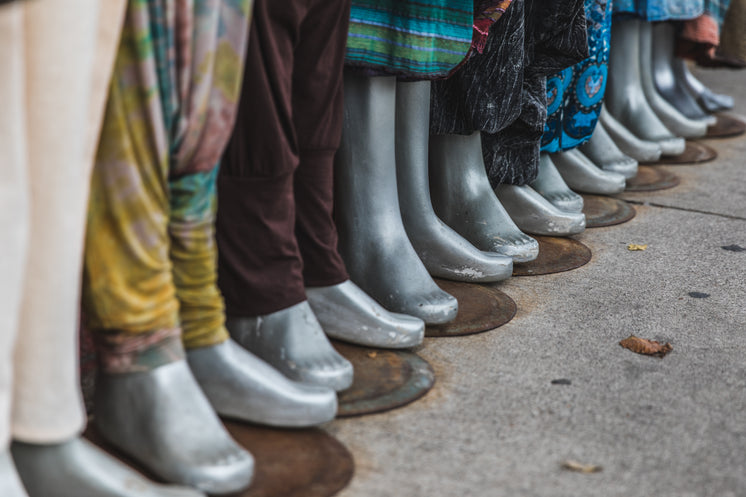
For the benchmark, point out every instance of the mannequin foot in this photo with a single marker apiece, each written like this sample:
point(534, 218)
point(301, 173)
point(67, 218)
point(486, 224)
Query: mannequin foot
point(162, 419)
point(347, 313)
point(79, 469)
point(10, 482)
point(292, 341)
point(582, 175)
point(534, 214)
point(603, 152)
point(628, 143)
point(550, 185)
point(241, 386)
point(464, 200)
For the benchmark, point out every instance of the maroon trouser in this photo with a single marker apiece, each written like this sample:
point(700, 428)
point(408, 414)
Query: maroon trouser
point(275, 230)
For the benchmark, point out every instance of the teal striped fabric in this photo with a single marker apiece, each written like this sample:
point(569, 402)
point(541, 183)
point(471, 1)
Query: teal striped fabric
point(418, 39)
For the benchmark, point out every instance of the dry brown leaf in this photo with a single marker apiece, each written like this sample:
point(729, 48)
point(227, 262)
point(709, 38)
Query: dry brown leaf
point(372, 355)
point(633, 247)
point(645, 346)
point(580, 467)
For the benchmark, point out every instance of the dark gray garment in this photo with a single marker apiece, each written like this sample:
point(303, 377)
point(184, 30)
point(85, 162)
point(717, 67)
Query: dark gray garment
point(502, 92)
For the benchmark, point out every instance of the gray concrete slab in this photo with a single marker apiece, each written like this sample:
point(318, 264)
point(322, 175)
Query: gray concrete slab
point(494, 425)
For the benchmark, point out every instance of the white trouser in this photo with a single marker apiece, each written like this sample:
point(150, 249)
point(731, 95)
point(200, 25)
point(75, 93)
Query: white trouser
point(55, 60)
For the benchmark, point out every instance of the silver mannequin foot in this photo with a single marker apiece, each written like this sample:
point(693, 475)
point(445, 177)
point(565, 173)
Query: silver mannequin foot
point(582, 175)
point(239, 385)
point(463, 198)
point(667, 77)
point(348, 313)
point(79, 469)
point(372, 240)
point(603, 152)
point(706, 98)
point(443, 251)
point(292, 341)
point(550, 185)
point(628, 143)
point(675, 121)
point(534, 214)
point(625, 97)
point(162, 419)
point(10, 483)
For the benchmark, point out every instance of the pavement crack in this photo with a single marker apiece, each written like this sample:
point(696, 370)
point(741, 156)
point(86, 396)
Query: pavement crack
point(685, 209)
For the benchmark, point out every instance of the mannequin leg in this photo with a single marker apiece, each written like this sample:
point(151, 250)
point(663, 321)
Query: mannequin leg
point(706, 98)
point(604, 153)
point(464, 200)
point(534, 214)
point(582, 175)
point(14, 218)
point(674, 120)
point(550, 185)
point(147, 402)
point(443, 251)
point(261, 266)
point(669, 84)
point(628, 143)
point(373, 242)
point(625, 98)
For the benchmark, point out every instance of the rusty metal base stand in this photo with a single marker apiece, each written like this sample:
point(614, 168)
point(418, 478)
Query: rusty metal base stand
point(603, 211)
point(384, 380)
point(650, 179)
point(288, 463)
point(556, 255)
point(695, 153)
point(480, 308)
point(727, 126)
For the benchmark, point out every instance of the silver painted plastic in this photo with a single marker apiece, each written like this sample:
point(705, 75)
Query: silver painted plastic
point(669, 82)
point(445, 253)
point(706, 98)
point(604, 153)
point(464, 200)
point(347, 313)
point(241, 386)
point(162, 420)
point(628, 143)
point(77, 468)
point(536, 215)
point(291, 340)
point(625, 97)
point(10, 482)
point(372, 240)
point(582, 175)
point(674, 120)
point(550, 185)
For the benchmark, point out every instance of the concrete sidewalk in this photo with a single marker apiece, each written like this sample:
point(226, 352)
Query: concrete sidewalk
point(494, 425)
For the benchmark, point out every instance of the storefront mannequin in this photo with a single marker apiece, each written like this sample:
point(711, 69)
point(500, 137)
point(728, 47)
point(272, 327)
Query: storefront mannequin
point(639, 149)
point(625, 99)
point(582, 175)
point(603, 152)
point(56, 60)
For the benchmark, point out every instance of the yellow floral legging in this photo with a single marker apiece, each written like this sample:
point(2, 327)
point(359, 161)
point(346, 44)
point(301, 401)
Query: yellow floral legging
point(150, 261)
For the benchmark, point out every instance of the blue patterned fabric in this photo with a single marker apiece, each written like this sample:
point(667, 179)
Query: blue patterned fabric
point(660, 10)
point(575, 95)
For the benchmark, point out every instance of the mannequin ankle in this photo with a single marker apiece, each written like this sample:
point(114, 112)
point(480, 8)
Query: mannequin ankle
point(121, 352)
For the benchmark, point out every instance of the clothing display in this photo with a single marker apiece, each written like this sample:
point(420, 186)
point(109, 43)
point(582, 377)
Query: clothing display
point(423, 39)
point(660, 10)
point(275, 229)
point(56, 60)
point(575, 95)
point(150, 254)
point(502, 92)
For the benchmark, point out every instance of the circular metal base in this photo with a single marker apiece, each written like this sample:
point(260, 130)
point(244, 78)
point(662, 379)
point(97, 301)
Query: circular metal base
point(726, 127)
point(384, 380)
point(695, 153)
point(606, 211)
point(480, 308)
point(650, 179)
point(556, 255)
point(294, 463)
